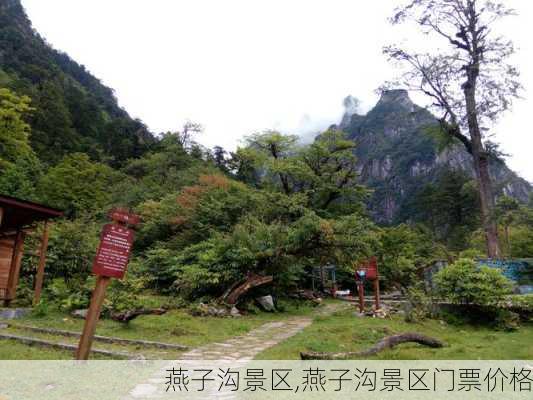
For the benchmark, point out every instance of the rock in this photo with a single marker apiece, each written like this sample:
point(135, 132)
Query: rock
point(205, 310)
point(4, 326)
point(14, 313)
point(81, 314)
point(304, 295)
point(234, 312)
point(266, 302)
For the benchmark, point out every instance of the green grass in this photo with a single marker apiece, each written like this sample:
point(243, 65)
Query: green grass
point(345, 332)
point(176, 326)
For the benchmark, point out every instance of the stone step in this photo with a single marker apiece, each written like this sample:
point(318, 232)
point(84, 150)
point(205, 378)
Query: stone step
point(98, 338)
point(64, 346)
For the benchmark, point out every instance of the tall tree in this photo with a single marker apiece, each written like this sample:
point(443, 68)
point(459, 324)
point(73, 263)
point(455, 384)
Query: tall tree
point(14, 131)
point(469, 81)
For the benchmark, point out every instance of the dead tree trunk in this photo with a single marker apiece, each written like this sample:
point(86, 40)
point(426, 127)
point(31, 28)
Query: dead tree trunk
point(252, 280)
point(385, 343)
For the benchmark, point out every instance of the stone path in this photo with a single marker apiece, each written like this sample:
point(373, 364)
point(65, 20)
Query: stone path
point(236, 351)
point(247, 346)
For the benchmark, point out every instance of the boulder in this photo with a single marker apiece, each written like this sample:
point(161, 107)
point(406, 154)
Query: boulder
point(266, 302)
point(81, 314)
point(234, 312)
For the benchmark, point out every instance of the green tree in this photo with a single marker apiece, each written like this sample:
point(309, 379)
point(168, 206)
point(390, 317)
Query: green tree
point(272, 152)
point(449, 207)
point(470, 82)
point(325, 171)
point(463, 282)
point(506, 213)
point(79, 185)
point(14, 130)
point(330, 174)
point(404, 252)
point(19, 166)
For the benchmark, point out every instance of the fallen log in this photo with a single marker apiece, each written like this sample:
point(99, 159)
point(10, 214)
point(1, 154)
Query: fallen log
point(252, 280)
point(127, 316)
point(387, 342)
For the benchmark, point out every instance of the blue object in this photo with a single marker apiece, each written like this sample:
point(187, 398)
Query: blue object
point(519, 271)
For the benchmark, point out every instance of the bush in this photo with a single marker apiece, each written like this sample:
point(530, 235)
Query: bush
point(465, 283)
point(506, 320)
point(40, 310)
point(419, 305)
point(68, 297)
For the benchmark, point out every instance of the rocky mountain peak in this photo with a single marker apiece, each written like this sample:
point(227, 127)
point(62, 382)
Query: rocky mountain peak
point(396, 97)
point(397, 157)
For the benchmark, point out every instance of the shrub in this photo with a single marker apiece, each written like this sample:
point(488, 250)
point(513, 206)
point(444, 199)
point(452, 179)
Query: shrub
point(465, 283)
point(419, 305)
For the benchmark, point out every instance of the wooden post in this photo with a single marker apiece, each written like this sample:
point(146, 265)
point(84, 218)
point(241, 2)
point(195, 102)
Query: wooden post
point(86, 340)
point(361, 290)
point(376, 293)
point(42, 261)
point(1, 215)
point(14, 270)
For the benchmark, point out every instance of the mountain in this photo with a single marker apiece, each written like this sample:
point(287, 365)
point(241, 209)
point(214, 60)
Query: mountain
point(398, 155)
point(73, 110)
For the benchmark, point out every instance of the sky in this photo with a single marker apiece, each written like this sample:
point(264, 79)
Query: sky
point(244, 66)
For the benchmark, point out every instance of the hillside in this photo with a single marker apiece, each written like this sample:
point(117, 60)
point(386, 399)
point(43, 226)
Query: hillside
point(397, 156)
point(74, 111)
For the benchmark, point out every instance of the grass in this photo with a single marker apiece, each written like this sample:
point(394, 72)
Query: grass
point(176, 326)
point(345, 332)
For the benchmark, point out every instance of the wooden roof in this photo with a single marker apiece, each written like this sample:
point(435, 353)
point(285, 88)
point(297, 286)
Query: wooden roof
point(21, 213)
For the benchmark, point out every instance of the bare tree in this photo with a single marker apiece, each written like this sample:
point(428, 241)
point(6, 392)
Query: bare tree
point(188, 132)
point(469, 80)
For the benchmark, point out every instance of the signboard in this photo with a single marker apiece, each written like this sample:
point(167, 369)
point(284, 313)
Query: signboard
point(113, 253)
point(370, 269)
point(111, 261)
point(124, 216)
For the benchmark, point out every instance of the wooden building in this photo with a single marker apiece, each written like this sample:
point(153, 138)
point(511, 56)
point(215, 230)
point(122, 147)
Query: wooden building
point(17, 219)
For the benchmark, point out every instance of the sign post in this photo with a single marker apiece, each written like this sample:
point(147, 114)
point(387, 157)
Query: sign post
point(360, 277)
point(368, 271)
point(111, 261)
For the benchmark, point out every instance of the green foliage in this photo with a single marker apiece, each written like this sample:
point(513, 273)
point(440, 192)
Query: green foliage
point(211, 234)
point(323, 171)
point(14, 131)
point(463, 282)
point(78, 185)
point(419, 304)
point(516, 221)
point(124, 295)
point(19, 166)
point(68, 296)
point(159, 266)
point(41, 309)
point(449, 208)
point(166, 169)
point(72, 246)
point(74, 111)
point(404, 251)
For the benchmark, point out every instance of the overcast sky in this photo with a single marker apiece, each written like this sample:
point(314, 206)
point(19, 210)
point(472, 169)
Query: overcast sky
point(242, 66)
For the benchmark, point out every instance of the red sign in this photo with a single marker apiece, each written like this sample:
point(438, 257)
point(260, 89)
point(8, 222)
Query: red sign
point(370, 267)
point(124, 216)
point(114, 251)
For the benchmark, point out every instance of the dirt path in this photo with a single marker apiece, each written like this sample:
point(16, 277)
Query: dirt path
point(238, 350)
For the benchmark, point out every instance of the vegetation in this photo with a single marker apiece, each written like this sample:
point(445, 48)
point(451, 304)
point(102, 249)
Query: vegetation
point(340, 333)
point(275, 207)
point(463, 282)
